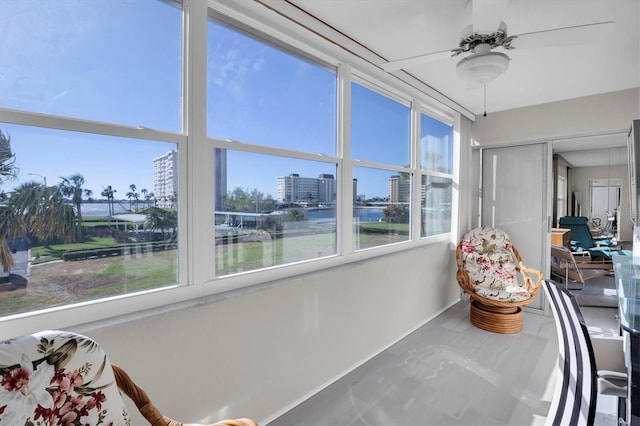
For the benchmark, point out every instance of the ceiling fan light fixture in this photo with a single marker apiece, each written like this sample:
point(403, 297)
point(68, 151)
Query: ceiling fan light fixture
point(482, 67)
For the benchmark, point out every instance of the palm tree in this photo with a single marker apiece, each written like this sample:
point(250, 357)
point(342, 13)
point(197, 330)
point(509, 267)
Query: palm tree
point(129, 195)
point(161, 219)
point(7, 171)
point(72, 187)
point(133, 194)
point(108, 193)
point(144, 192)
point(31, 208)
point(42, 212)
point(7, 158)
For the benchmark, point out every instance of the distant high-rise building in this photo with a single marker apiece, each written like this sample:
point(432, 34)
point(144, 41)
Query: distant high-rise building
point(297, 189)
point(220, 168)
point(399, 189)
point(165, 179)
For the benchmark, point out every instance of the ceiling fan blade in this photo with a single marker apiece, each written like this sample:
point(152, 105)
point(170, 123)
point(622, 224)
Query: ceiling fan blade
point(416, 60)
point(564, 36)
point(487, 15)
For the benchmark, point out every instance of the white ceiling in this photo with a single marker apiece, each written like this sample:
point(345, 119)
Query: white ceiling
point(544, 68)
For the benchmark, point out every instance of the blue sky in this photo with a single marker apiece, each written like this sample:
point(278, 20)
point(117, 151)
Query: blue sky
point(119, 61)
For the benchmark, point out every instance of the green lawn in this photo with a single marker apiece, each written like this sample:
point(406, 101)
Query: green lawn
point(59, 283)
point(55, 251)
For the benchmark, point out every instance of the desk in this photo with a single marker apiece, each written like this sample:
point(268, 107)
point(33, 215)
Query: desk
point(628, 286)
point(561, 237)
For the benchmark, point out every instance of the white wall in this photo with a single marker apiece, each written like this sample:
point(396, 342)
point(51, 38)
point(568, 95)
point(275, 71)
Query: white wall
point(258, 353)
point(591, 114)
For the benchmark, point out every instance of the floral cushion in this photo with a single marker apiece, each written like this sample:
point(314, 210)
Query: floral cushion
point(58, 378)
point(488, 258)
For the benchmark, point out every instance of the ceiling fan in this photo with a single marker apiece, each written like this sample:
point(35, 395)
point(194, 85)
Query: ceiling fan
point(486, 33)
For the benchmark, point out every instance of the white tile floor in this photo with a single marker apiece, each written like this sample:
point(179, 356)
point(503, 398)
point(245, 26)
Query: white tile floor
point(451, 373)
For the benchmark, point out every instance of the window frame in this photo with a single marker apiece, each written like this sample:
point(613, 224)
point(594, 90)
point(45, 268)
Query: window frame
point(420, 110)
point(197, 282)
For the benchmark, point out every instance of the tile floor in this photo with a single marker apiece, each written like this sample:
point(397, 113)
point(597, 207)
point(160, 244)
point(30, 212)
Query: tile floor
point(451, 373)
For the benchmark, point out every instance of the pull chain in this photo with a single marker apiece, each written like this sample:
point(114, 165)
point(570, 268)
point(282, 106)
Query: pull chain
point(485, 100)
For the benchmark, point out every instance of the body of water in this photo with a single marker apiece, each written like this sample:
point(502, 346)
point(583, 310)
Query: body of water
point(102, 209)
point(362, 214)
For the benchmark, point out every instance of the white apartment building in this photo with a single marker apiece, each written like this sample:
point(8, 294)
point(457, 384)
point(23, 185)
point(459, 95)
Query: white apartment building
point(165, 179)
point(399, 189)
point(297, 189)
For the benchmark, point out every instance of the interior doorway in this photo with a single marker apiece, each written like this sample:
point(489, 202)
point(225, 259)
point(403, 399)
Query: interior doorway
point(605, 204)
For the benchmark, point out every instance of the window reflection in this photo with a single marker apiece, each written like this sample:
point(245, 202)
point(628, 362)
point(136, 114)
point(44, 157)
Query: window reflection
point(380, 128)
point(283, 212)
point(382, 210)
point(436, 196)
point(84, 218)
point(262, 95)
point(436, 145)
point(93, 60)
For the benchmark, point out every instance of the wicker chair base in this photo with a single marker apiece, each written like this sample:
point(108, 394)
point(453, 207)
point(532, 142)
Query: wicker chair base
point(496, 319)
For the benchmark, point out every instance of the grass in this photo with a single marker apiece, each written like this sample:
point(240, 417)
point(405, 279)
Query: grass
point(56, 251)
point(13, 302)
point(59, 283)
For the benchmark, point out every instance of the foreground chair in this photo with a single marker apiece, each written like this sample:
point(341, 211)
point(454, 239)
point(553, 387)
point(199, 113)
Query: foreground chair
point(56, 377)
point(488, 269)
point(587, 366)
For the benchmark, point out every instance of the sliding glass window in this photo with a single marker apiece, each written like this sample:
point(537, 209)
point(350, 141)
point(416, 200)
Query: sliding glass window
point(272, 119)
point(89, 192)
point(98, 161)
point(436, 169)
point(94, 60)
point(381, 148)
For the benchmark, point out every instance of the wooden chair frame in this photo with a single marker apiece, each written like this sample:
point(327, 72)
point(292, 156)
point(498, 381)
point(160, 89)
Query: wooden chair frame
point(498, 316)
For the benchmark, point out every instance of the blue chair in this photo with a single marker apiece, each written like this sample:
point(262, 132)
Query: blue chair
point(582, 239)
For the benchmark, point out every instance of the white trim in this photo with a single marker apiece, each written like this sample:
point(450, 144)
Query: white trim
point(34, 119)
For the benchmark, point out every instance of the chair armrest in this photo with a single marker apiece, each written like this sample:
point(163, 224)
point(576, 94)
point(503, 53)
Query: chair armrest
point(613, 388)
point(613, 375)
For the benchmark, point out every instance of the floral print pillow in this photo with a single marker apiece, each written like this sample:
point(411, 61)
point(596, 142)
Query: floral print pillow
point(488, 258)
point(58, 378)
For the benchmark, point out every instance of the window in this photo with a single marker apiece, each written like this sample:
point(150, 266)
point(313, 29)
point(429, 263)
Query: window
point(120, 237)
point(380, 135)
point(561, 197)
point(262, 95)
point(380, 127)
point(270, 209)
point(89, 208)
point(104, 166)
point(436, 163)
point(288, 215)
point(92, 60)
point(384, 218)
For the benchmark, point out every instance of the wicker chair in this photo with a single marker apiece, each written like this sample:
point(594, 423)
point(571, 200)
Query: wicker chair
point(57, 377)
point(489, 266)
